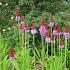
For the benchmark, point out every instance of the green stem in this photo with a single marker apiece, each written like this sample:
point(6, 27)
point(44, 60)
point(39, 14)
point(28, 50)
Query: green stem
point(54, 45)
point(47, 50)
point(43, 53)
point(33, 41)
point(51, 43)
point(57, 50)
point(54, 52)
point(34, 50)
point(19, 34)
point(65, 50)
point(61, 58)
point(51, 48)
point(25, 53)
point(0, 65)
point(47, 57)
point(23, 39)
point(28, 40)
point(59, 45)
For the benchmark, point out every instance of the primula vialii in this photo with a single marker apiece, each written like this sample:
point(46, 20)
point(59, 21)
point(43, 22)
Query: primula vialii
point(33, 30)
point(42, 31)
point(59, 30)
point(61, 44)
point(42, 28)
point(55, 33)
point(12, 57)
point(51, 24)
point(50, 35)
point(66, 33)
point(21, 28)
point(47, 39)
point(17, 15)
point(25, 27)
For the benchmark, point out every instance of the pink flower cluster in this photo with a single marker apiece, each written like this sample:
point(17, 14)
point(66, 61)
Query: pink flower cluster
point(44, 31)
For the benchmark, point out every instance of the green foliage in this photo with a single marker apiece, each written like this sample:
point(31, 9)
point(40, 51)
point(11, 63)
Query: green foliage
point(33, 11)
point(30, 7)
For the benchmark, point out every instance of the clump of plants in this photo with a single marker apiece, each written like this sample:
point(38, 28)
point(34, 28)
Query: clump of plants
point(43, 47)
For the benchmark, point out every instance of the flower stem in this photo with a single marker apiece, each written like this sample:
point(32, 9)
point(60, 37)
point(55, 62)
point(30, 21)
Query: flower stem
point(59, 45)
point(33, 41)
point(47, 56)
point(61, 58)
point(65, 50)
point(47, 50)
point(51, 43)
point(19, 39)
point(25, 54)
point(34, 49)
point(23, 39)
point(54, 45)
point(28, 40)
point(43, 52)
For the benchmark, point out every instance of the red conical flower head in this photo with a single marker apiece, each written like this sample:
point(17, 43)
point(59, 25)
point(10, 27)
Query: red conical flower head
point(23, 19)
point(43, 21)
point(11, 52)
point(48, 33)
point(66, 27)
point(51, 19)
point(32, 27)
point(20, 27)
point(17, 12)
point(25, 26)
point(61, 42)
point(59, 30)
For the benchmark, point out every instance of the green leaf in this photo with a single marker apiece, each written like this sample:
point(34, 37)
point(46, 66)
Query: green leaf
point(15, 64)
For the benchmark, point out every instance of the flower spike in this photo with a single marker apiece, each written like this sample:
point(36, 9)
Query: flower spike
point(12, 54)
point(21, 28)
point(66, 27)
point(51, 19)
point(61, 44)
point(32, 27)
point(43, 21)
point(59, 30)
point(25, 26)
point(33, 30)
point(17, 12)
point(23, 19)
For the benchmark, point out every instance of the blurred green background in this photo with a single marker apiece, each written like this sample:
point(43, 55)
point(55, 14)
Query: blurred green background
point(34, 10)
